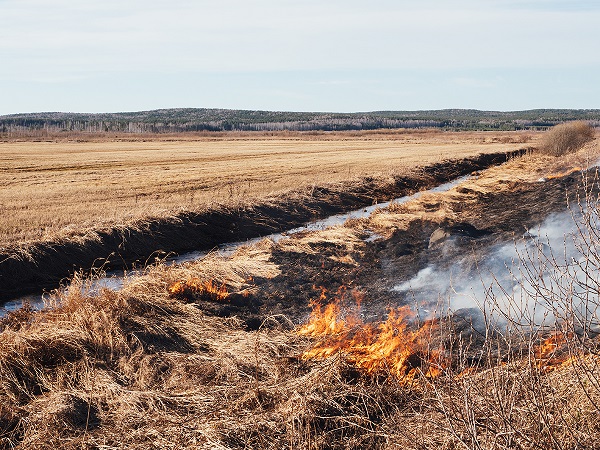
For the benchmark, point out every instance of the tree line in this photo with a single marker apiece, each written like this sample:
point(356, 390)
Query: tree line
point(197, 120)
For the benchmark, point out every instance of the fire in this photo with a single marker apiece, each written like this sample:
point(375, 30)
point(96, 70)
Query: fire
point(561, 350)
point(565, 173)
point(550, 345)
point(395, 346)
point(553, 352)
point(327, 319)
point(195, 287)
point(402, 347)
point(324, 321)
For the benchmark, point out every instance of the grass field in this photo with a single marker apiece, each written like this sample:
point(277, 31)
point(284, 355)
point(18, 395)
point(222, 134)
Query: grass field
point(61, 187)
point(168, 363)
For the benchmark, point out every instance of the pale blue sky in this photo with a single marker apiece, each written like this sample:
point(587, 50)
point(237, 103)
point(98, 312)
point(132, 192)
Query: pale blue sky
point(304, 55)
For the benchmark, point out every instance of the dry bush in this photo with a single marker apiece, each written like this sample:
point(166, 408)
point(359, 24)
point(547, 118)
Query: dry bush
point(546, 392)
point(566, 138)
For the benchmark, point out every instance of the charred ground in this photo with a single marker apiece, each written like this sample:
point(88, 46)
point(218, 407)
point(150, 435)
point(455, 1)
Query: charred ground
point(472, 220)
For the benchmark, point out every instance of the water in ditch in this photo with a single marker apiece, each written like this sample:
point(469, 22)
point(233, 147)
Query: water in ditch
point(114, 280)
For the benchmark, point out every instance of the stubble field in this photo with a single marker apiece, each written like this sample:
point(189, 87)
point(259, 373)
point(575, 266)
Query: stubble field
point(62, 187)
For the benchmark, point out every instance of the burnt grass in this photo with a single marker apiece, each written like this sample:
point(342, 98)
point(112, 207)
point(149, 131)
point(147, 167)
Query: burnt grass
point(46, 264)
point(494, 218)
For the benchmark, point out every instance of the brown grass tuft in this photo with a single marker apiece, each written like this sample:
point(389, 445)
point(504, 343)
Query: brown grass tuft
point(566, 138)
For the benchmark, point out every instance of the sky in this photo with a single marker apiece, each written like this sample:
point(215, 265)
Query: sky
point(298, 55)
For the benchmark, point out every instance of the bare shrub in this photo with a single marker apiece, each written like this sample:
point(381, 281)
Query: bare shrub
point(566, 137)
point(545, 393)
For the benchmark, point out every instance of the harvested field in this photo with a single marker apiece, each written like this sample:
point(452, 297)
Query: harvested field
point(305, 343)
point(59, 189)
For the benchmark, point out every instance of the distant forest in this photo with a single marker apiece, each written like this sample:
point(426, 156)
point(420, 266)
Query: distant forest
point(197, 120)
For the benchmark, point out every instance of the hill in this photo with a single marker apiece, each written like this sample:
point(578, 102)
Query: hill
point(179, 120)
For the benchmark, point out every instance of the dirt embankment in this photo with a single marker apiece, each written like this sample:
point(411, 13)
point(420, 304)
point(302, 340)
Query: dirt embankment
point(45, 264)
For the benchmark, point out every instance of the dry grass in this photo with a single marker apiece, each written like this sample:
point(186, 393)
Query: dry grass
point(137, 369)
point(566, 138)
point(132, 369)
point(62, 188)
point(140, 369)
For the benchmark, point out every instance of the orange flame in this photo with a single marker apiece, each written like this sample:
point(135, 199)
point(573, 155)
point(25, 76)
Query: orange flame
point(553, 352)
point(327, 319)
point(196, 287)
point(550, 345)
point(395, 346)
point(400, 347)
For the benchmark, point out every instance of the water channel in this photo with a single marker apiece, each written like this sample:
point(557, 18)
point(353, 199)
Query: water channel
point(114, 280)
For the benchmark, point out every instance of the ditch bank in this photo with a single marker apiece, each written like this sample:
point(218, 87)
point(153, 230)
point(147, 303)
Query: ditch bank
point(45, 265)
point(449, 246)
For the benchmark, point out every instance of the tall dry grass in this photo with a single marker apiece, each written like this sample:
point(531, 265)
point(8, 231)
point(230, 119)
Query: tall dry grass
point(566, 138)
point(137, 369)
point(140, 369)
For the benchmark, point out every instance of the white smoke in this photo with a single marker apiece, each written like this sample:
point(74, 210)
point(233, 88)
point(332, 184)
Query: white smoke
point(550, 274)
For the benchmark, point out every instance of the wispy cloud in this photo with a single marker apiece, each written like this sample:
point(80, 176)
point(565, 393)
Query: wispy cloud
point(67, 39)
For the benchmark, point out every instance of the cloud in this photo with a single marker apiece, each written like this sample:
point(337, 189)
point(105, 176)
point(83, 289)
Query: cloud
point(70, 36)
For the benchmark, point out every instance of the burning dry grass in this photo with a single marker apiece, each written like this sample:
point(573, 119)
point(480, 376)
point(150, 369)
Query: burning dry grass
point(148, 368)
point(503, 390)
point(204, 289)
point(139, 369)
point(395, 347)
